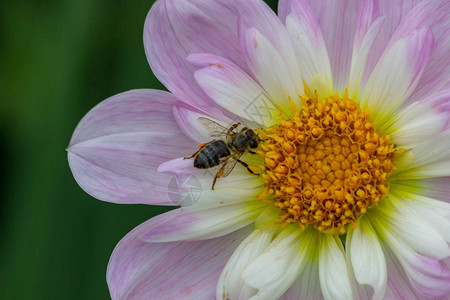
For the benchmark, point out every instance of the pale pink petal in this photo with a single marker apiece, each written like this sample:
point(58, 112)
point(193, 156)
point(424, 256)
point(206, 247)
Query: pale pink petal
point(187, 119)
point(173, 29)
point(233, 89)
point(284, 9)
point(198, 223)
point(396, 75)
point(180, 166)
point(310, 48)
point(281, 79)
point(433, 14)
point(367, 28)
point(116, 148)
point(337, 20)
point(179, 270)
point(420, 120)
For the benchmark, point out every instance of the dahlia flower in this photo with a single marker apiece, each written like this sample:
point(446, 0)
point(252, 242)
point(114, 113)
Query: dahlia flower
point(351, 102)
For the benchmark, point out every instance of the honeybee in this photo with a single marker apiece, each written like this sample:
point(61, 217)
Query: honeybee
point(226, 150)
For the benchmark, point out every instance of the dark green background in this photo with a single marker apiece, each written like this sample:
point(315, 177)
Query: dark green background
point(58, 59)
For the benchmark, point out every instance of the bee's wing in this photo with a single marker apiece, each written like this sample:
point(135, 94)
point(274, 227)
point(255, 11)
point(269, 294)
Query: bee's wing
point(230, 163)
point(214, 128)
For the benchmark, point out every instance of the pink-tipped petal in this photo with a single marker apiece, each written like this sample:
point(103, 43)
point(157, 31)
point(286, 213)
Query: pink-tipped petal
point(179, 270)
point(393, 13)
point(309, 47)
point(280, 79)
point(116, 148)
point(420, 120)
point(233, 89)
point(197, 223)
point(425, 273)
point(398, 285)
point(417, 233)
point(396, 75)
point(337, 20)
point(433, 14)
point(367, 28)
point(429, 158)
point(430, 211)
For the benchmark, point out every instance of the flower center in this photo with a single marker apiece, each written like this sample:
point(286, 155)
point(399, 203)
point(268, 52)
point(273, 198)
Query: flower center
point(327, 165)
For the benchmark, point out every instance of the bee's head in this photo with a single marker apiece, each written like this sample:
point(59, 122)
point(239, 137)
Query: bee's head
point(253, 138)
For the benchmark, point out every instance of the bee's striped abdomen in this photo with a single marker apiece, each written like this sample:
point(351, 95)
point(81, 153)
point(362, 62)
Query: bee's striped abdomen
point(210, 155)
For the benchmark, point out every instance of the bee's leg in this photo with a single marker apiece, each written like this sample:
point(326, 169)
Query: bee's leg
point(233, 127)
point(214, 182)
point(195, 154)
point(246, 165)
point(251, 152)
point(218, 175)
point(192, 156)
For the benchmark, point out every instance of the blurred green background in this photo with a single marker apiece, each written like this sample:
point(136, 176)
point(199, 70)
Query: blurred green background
point(58, 59)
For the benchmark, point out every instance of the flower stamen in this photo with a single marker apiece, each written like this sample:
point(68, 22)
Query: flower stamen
point(327, 165)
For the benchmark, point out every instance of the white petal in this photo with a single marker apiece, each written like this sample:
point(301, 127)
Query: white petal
point(233, 89)
point(307, 285)
point(282, 81)
point(231, 285)
point(431, 158)
point(419, 120)
point(234, 189)
point(239, 183)
point(367, 257)
point(310, 48)
point(273, 272)
point(396, 75)
point(333, 273)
